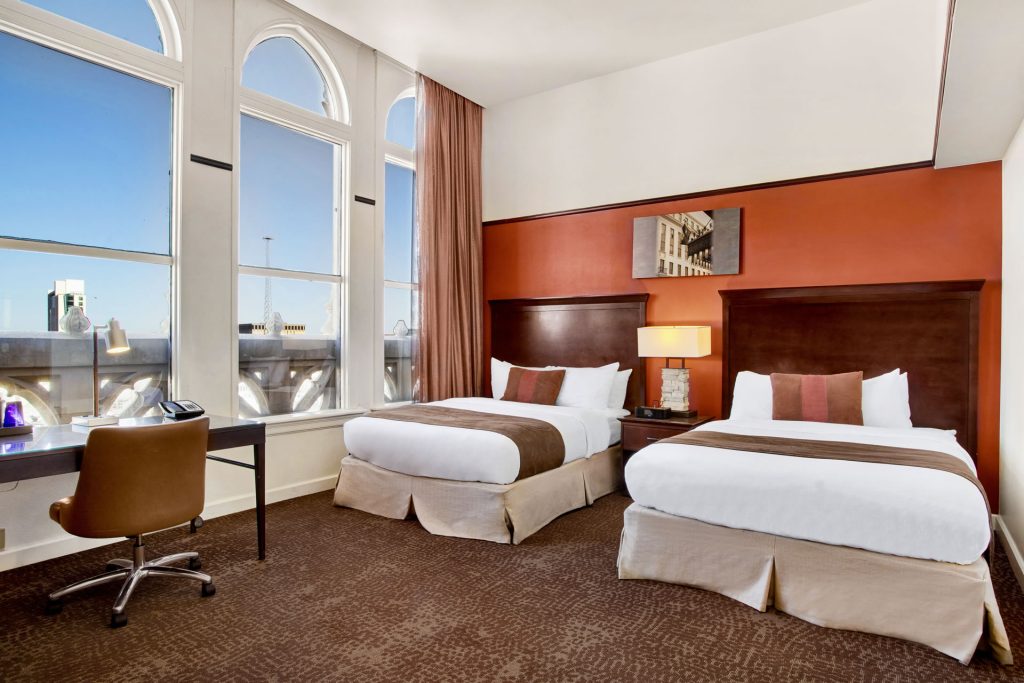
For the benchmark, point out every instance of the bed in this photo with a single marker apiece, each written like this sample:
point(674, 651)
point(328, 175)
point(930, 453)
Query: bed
point(877, 547)
point(461, 479)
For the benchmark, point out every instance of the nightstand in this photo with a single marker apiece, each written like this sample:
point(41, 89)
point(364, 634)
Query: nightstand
point(638, 432)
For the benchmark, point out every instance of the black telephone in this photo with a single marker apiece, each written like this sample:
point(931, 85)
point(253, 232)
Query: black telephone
point(181, 410)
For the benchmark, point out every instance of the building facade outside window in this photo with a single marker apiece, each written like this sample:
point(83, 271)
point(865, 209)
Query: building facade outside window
point(87, 187)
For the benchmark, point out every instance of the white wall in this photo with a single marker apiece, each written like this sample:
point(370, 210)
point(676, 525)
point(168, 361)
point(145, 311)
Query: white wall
point(303, 454)
point(852, 89)
point(1011, 418)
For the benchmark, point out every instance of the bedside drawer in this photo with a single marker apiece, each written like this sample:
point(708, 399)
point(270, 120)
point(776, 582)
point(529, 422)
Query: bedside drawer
point(635, 437)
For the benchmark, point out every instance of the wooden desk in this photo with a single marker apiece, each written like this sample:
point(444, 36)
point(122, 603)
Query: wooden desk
point(58, 450)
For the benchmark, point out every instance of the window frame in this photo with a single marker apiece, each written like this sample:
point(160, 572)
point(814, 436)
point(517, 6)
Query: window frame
point(335, 131)
point(405, 157)
point(78, 41)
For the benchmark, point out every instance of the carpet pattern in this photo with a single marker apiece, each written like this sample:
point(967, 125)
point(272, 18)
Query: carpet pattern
point(347, 596)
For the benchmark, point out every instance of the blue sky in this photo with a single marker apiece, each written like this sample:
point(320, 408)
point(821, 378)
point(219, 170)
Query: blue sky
point(129, 19)
point(87, 160)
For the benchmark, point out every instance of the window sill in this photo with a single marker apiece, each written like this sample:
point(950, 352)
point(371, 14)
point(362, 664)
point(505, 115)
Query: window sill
point(306, 422)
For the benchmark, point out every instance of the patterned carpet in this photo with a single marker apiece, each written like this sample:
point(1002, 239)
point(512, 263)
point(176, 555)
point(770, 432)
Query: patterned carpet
point(350, 597)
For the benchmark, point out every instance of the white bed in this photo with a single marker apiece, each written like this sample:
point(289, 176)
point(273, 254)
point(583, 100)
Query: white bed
point(458, 454)
point(899, 510)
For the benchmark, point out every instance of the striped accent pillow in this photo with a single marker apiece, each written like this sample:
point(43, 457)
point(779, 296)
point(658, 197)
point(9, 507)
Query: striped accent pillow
point(533, 386)
point(818, 398)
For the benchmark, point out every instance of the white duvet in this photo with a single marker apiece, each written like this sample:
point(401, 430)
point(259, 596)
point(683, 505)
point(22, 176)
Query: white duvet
point(893, 509)
point(472, 454)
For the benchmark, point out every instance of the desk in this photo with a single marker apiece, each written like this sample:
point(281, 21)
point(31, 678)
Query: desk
point(58, 450)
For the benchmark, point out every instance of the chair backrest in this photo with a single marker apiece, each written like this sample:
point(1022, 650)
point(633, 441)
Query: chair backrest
point(135, 480)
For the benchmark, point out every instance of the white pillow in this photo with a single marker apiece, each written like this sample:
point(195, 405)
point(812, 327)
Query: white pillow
point(885, 401)
point(499, 377)
point(751, 397)
point(617, 396)
point(586, 387)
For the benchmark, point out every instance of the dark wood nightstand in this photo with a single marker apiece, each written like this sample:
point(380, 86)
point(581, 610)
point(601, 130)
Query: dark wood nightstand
point(638, 432)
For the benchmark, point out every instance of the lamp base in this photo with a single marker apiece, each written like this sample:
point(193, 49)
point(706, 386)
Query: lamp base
point(675, 390)
point(684, 413)
point(93, 421)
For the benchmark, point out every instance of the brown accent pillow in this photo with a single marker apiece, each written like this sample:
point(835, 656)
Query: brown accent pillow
point(818, 398)
point(533, 386)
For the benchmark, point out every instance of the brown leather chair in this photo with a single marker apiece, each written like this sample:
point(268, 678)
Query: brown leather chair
point(133, 481)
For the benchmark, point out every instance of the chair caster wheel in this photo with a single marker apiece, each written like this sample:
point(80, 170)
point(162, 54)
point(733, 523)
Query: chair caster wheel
point(209, 589)
point(54, 606)
point(195, 564)
point(118, 620)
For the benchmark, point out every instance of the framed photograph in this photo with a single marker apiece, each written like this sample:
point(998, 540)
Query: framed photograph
point(687, 244)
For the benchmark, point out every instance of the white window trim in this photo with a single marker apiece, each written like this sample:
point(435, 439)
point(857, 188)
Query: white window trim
point(66, 35)
point(337, 93)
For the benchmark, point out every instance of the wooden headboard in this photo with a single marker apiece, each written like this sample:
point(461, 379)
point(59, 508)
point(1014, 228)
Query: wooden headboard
point(927, 329)
point(579, 331)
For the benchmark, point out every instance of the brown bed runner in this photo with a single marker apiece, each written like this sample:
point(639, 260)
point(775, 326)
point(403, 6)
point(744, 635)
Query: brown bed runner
point(540, 444)
point(832, 450)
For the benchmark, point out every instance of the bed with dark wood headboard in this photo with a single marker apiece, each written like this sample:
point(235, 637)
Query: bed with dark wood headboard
point(927, 329)
point(579, 331)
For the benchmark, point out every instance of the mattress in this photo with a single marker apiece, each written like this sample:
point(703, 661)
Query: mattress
point(894, 509)
point(459, 454)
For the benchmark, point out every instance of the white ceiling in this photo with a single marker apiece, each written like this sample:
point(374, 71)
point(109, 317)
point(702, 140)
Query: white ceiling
point(983, 100)
point(492, 52)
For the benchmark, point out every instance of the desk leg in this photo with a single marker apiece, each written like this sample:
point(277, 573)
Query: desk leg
point(259, 460)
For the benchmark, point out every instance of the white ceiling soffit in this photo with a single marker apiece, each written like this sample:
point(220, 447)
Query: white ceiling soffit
point(492, 52)
point(983, 99)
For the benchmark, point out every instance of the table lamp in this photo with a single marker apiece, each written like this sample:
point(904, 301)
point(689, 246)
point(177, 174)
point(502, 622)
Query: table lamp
point(117, 342)
point(675, 341)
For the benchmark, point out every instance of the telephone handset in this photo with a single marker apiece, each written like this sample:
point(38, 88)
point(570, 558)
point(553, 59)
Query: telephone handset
point(181, 410)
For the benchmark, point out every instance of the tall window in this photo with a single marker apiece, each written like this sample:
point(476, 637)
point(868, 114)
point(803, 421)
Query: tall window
point(290, 243)
point(400, 251)
point(85, 232)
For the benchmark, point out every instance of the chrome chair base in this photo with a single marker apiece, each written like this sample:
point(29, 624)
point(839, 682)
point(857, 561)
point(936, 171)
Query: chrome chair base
point(131, 572)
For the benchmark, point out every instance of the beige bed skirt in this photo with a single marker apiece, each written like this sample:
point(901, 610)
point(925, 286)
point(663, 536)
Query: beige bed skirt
point(949, 607)
point(504, 513)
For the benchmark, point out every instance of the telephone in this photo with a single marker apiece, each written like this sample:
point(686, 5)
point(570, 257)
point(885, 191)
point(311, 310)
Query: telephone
point(181, 410)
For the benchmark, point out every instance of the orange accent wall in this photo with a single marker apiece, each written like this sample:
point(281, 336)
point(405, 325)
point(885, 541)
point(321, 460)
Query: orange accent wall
point(903, 226)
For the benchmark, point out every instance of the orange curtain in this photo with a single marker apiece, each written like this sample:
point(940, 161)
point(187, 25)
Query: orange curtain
point(449, 352)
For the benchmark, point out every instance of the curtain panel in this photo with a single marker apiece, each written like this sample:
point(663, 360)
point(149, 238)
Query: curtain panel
point(449, 353)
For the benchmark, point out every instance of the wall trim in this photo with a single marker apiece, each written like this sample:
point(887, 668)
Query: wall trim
point(927, 163)
point(1012, 549)
point(68, 544)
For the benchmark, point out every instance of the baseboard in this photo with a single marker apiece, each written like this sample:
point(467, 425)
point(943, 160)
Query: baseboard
point(229, 506)
point(1012, 550)
point(66, 545)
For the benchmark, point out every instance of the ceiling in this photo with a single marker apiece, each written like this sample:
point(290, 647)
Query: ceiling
point(492, 52)
point(983, 101)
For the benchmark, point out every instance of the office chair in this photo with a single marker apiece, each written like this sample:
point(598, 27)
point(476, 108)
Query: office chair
point(133, 481)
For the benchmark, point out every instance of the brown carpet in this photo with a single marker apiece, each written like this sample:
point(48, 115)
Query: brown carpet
point(351, 597)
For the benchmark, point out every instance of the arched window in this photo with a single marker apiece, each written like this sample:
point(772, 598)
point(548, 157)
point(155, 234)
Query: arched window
point(290, 244)
point(401, 124)
point(281, 68)
point(137, 21)
point(401, 313)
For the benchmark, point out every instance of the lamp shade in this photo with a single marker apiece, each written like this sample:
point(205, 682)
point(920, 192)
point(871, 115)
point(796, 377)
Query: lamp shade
point(674, 341)
point(117, 340)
